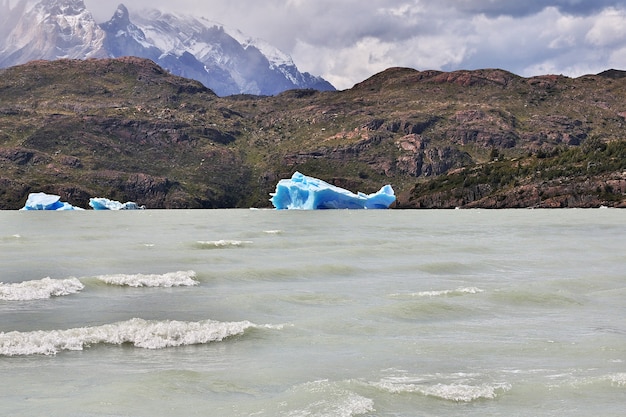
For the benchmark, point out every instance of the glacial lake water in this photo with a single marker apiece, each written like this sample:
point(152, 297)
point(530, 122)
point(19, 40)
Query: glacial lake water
point(301, 314)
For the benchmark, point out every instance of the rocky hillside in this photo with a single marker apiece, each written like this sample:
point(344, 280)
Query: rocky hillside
point(128, 130)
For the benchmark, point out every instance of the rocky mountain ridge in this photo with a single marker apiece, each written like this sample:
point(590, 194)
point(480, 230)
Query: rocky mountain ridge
point(127, 129)
point(227, 61)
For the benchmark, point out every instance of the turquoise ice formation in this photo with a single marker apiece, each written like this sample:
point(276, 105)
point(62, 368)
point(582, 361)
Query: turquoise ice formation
point(100, 203)
point(307, 193)
point(43, 201)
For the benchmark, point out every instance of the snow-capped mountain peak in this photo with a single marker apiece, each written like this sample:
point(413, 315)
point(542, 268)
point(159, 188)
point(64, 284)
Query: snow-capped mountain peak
point(223, 59)
point(121, 26)
point(275, 56)
point(50, 29)
point(62, 7)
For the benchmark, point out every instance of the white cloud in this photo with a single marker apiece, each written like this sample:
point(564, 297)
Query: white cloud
point(343, 67)
point(346, 41)
point(617, 58)
point(609, 28)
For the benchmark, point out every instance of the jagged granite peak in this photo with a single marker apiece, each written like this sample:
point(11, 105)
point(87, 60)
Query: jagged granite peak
point(50, 29)
point(225, 60)
point(242, 64)
point(125, 39)
point(63, 7)
point(120, 19)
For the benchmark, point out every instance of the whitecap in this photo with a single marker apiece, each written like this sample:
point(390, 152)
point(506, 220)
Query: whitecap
point(223, 243)
point(465, 393)
point(138, 332)
point(170, 279)
point(351, 404)
point(453, 391)
point(39, 289)
point(439, 293)
point(615, 380)
point(332, 401)
point(618, 379)
point(458, 291)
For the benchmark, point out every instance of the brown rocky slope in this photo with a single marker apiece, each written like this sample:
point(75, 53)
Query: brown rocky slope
point(126, 129)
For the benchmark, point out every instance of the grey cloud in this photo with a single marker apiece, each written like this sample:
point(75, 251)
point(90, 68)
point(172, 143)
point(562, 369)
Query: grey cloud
point(347, 40)
point(529, 7)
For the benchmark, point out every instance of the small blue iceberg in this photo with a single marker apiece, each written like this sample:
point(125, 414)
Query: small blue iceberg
point(100, 203)
point(308, 193)
point(43, 201)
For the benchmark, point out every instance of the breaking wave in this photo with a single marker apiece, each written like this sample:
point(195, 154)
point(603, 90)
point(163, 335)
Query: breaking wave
point(39, 289)
point(440, 293)
point(219, 244)
point(618, 379)
point(12, 237)
point(170, 279)
point(457, 391)
point(138, 332)
point(332, 401)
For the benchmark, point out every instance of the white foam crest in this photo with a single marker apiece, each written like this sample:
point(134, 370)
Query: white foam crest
point(39, 289)
point(440, 293)
point(458, 291)
point(336, 402)
point(13, 236)
point(138, 332)
point(618, 379)
point(222, 243)
point(465, 393)
point(170, 279)
point(458, 392)
point(348, 406)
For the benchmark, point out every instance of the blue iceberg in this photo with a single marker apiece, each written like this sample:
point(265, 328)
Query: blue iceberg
point(43, 201)
point(308, 193)
point(100, 203)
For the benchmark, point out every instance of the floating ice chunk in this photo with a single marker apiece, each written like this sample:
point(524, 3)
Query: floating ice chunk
point(43, 201)
point(100, 203)
point(308, 193)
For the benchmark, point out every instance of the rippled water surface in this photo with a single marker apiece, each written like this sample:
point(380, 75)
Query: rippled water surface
point(326, 313)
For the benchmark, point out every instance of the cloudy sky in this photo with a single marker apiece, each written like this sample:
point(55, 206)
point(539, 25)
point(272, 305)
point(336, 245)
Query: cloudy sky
point(347, 41)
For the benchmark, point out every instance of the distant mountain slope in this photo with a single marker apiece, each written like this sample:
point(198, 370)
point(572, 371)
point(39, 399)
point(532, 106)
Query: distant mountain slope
point(226, 61)
point(127, 129)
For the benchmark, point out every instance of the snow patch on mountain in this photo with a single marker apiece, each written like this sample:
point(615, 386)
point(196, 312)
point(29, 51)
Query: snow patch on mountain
point(49, 29)
point(275, 56)
point(223, 59)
